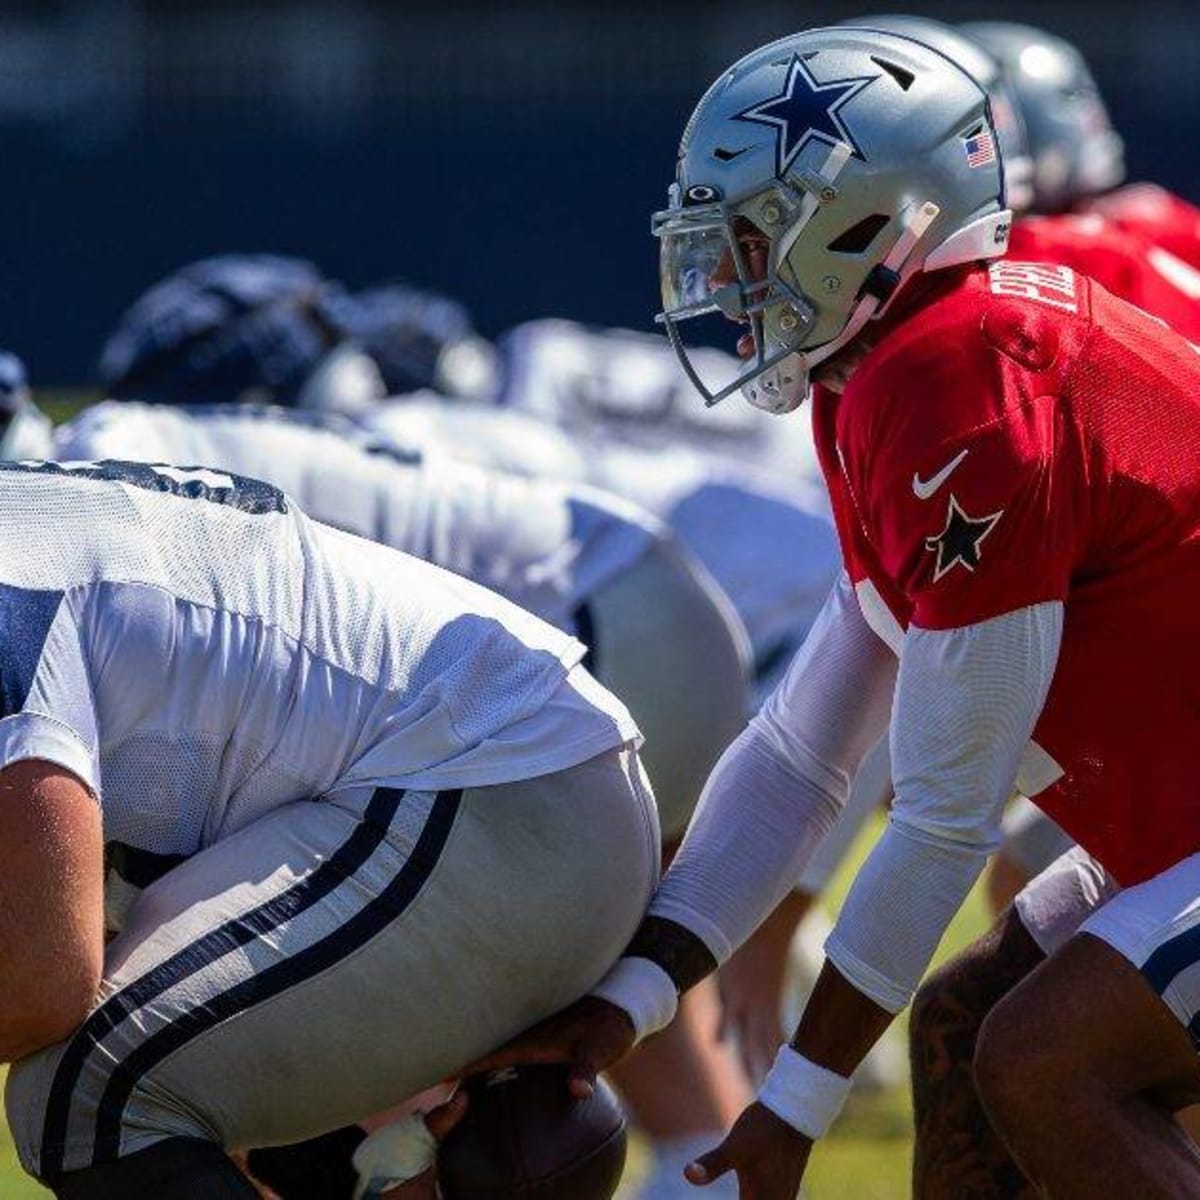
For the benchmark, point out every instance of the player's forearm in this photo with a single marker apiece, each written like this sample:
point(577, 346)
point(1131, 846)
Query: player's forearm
point(839, 1025)
point(751, 834)
point(966, 703)
point(902, 900)
point(757, 824)
point(678, 951)
point(769, 802)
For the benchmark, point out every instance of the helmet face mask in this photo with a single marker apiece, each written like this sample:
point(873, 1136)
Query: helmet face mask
point(815, 177)
point(705, 271)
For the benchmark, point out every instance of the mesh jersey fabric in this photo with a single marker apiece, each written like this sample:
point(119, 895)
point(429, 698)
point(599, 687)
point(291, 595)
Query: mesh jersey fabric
point(1027, 437)
point(199, 651)
point(545, 544)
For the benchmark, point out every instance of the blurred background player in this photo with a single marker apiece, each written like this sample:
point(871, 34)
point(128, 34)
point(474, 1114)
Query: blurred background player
point(1077, 162)
point(659, 634)
point(262, 327)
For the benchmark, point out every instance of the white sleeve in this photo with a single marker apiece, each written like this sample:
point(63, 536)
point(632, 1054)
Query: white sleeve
point(870, 793)
point(966, 703)
point(45, 690)
point(778, 789)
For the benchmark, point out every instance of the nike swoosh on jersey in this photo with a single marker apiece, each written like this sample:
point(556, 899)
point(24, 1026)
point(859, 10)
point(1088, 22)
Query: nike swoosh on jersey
point(924, 488)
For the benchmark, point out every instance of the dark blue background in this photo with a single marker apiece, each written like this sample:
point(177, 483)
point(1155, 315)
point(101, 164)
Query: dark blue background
point(509, 155)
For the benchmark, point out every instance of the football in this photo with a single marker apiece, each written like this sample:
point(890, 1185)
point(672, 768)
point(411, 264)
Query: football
point(524, 1135)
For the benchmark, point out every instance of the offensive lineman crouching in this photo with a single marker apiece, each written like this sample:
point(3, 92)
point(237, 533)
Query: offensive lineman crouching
point(362, 820)
point(1014, 460)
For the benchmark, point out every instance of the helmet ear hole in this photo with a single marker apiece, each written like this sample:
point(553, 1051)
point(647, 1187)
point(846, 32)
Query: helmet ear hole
point(860, 235)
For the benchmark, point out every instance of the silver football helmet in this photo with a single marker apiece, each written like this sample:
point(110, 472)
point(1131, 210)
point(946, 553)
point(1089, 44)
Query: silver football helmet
point(838, 163)
point(1075, 150)
point(990, 74)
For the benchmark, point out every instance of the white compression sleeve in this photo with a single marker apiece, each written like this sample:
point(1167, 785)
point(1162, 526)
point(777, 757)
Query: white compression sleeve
point(778, 789)
point(966, 703)
point(870, 792)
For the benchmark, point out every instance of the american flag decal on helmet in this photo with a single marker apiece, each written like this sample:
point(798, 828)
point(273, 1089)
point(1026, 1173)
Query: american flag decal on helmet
point(980, 148)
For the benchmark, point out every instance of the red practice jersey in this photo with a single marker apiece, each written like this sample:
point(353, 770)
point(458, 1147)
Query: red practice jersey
point(1025, 437)
point(1161, 217)
point(1123, 259)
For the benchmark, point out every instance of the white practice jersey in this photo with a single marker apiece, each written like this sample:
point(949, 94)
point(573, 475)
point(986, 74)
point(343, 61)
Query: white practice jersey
point(629, 388)
point(545, 544)
point(769, 544)
point(199, 652)
point(478, 433)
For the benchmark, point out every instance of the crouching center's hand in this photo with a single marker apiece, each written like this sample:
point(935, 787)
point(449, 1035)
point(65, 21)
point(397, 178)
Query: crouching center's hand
point(768, 1155)
point(589, 1035)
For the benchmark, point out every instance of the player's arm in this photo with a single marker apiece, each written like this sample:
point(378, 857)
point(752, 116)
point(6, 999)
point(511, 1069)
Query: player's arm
point(966, 703)
point(51, 905)
point(51, 840)
point(772, 798)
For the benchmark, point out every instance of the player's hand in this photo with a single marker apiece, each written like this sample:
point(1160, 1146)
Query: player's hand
point(439, 1122)
point(590, 1036)
point(751, 985)
point(768, 1155)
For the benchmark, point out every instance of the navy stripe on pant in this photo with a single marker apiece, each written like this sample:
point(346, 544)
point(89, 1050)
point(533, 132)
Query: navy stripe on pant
point(287, 906)
point(1170, 960)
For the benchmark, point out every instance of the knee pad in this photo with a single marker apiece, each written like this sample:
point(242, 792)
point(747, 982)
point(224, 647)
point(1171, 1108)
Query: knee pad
point(174, 1169)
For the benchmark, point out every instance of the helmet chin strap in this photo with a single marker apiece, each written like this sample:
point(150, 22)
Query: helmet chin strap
point(783, 387)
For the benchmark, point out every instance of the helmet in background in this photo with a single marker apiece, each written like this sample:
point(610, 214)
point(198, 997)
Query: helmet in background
point(1075, 150)
point(24, 428)
point(989, 73)
point(421, 340)
point(240, 328)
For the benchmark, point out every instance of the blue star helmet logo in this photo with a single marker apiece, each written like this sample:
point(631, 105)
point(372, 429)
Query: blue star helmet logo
point(805, 110)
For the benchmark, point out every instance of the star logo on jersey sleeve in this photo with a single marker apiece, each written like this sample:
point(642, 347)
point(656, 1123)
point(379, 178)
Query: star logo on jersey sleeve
point(958, 544)
point(806, 110)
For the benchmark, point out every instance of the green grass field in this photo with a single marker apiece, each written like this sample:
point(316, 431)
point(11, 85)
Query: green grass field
point(867, 1156)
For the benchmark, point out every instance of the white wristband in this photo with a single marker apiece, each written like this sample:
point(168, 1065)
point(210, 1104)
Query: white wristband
point(802, 1093)
point(644, 990)
point(393, 1155)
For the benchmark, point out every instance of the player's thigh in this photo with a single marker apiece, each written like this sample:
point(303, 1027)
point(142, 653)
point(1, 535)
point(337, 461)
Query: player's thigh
point(668, 643)
point(1118, 1005)
point(336, 956)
